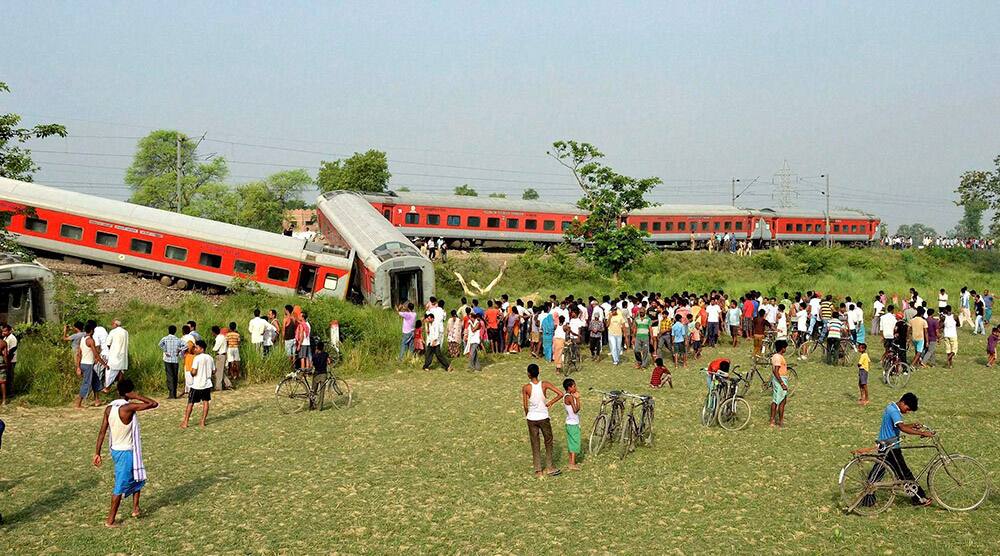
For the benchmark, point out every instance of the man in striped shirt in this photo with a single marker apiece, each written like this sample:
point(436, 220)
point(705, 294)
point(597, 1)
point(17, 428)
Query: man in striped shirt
point(834, 328)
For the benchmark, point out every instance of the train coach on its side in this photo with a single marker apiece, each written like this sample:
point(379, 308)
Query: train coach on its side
point(388, 268)
point(168, 244)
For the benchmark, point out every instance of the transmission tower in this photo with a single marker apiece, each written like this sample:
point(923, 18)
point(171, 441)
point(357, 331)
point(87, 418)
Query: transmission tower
point(784, 192)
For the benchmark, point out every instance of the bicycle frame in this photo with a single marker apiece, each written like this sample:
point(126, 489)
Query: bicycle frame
point(902, 486)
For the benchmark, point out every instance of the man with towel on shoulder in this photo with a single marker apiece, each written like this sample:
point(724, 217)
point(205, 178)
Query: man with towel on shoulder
point(126, 446)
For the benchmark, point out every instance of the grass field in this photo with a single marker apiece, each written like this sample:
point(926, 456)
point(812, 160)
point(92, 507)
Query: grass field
point(440, 463)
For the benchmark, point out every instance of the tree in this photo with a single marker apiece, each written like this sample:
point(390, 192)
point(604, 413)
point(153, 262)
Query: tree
point(610, 243)
point(498, 195)
point(403, 189)
point(979, 190)
point(466, 191)
point(259, 204)
point(917, 231)
point(15, 161)
point(367, 171)
point(529, 194)
point(153, 173)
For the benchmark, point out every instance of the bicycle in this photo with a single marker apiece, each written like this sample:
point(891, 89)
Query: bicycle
point(571, 361)
point(297, 392)
point(895, 372)
point(607, 421)
point(723, 403)
point(868, 484)
point(633, 431)
point(746, 381)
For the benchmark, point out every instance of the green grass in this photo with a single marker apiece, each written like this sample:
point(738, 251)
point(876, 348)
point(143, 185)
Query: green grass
point(440, 463)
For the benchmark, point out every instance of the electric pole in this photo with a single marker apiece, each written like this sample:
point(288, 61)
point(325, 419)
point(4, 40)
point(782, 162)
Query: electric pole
point(177, 172)
point(827, 227)
point(734, 192)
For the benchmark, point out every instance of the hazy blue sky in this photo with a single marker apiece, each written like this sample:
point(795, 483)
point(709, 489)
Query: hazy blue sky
point(893, 100)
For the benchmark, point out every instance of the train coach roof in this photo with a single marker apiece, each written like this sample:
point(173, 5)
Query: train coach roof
point(99, 208)
point(691, 210)
point(807, 213)
point(364, 227)
point(462, 201)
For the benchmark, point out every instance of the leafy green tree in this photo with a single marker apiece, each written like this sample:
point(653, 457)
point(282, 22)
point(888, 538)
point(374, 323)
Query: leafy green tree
point(259, 204)
point(498, 195)
point(466, 191)
point(403, 189)
point(529, 194)
point(367, 171)
point(15, 160)
point(917, 231)
point(979, 190)
point(153, 173)
point(609, 196)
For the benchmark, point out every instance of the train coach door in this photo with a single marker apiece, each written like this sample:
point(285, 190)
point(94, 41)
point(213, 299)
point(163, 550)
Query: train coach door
point(406, 285)
point(307, 279)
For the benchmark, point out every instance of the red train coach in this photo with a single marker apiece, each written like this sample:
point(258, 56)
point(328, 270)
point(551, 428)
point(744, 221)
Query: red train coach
point(168, 244)
point(846, 226)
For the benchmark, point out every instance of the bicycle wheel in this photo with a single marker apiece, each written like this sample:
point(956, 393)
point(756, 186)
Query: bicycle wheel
point(575, 360)
point(630, 432)
point(338, 393)
point(708, 410)
point(598, 434)
point(812, 349)
point(793, 380)
point(734, 414)
point(848, 353)
point(898, 376)
point(292, 395)
point(958, 483)
point(646, 426)
point(867, 486)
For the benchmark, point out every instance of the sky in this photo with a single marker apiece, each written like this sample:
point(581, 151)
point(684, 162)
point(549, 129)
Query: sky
point(892, 100)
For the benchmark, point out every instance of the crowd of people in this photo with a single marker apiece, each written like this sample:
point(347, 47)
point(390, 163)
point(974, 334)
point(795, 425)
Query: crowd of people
point(909, 242)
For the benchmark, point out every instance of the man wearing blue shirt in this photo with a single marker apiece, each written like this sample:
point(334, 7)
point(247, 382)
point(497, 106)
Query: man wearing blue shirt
point(888, 440)
point(677, 333)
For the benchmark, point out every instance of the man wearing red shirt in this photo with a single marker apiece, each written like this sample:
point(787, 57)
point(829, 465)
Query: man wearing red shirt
point(492, 317)
point(747, 317)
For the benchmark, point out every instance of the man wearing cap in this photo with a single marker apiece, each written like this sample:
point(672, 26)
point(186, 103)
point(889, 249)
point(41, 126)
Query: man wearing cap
point(888, 440)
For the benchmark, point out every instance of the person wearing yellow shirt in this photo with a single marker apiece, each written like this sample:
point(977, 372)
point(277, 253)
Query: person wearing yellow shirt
point(864, 365)
point(616, 331)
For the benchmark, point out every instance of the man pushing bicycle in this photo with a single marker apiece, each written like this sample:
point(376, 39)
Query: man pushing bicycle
point(888, 442)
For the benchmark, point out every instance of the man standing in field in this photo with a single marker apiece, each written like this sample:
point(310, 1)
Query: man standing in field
point(536, 414)
point(779, 383)
point(257, 328)
point(126, 446)
point(170, 345)
point(117, 356)
point(949, 329)
point(201, 384)
point(918, 334)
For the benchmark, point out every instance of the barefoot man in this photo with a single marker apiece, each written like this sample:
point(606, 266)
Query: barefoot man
point(536, 413)
point(126, 446)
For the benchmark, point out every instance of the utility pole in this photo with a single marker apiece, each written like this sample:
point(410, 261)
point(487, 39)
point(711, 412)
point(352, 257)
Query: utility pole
point(734, 192)
point(177, 172)
point(827, 227)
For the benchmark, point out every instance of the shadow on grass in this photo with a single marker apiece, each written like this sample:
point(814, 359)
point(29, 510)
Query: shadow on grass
point(51, 501)
point(179, 494)
point(215, 419)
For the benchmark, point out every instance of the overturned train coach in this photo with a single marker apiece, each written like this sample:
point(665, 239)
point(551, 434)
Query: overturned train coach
point(388, 268)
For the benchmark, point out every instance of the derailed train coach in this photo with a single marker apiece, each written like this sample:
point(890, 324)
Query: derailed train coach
point(388, 268)
point(27, 291)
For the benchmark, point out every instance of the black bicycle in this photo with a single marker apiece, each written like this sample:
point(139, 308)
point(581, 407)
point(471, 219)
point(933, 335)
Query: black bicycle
point(299, 391)
point(608, 419)
point(636, 430)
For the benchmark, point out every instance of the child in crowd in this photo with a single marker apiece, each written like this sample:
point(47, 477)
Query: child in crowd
point(864, 365)
point(571, 401)
point(418, 339)
point(660, 375)
point(694, 328)
point(991, 346)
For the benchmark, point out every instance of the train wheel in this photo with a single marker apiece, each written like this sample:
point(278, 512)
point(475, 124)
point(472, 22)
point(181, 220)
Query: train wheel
point(182, 284)
point(166, 280)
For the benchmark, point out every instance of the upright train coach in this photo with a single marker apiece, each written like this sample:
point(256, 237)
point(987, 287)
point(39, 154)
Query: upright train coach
point(388, 268)
point(474, 220)
point(168, 244)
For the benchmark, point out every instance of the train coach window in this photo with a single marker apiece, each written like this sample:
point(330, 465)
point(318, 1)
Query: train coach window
point(141, 246)
point(798, 227)
point(531, 224)
point(854, 227)
point(412, 218)
point(549, 225)
point(836, 228)
point(669, 226)
point(643, 226)
point(682, 226)
point(36, 225)
point(70, 232)
point(434, 219)
point(107, 240)
point(715, 225)
point(175, 253)
point(492, 222)
point(454, 220)
point(788, 227)
point(387, 214)
point(565, 225)
point(739, 225)
point(809, 227)
point(473, 221)
point(210, 260)
point(704, 226)
point(512, 223)
point(656, 226)
point(728, 225)
point(5, 219)
point(244, 267)
point(277, 274)
point(330, 282)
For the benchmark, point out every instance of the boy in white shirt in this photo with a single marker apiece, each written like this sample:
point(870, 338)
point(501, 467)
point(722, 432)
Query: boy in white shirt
point(201, 383)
